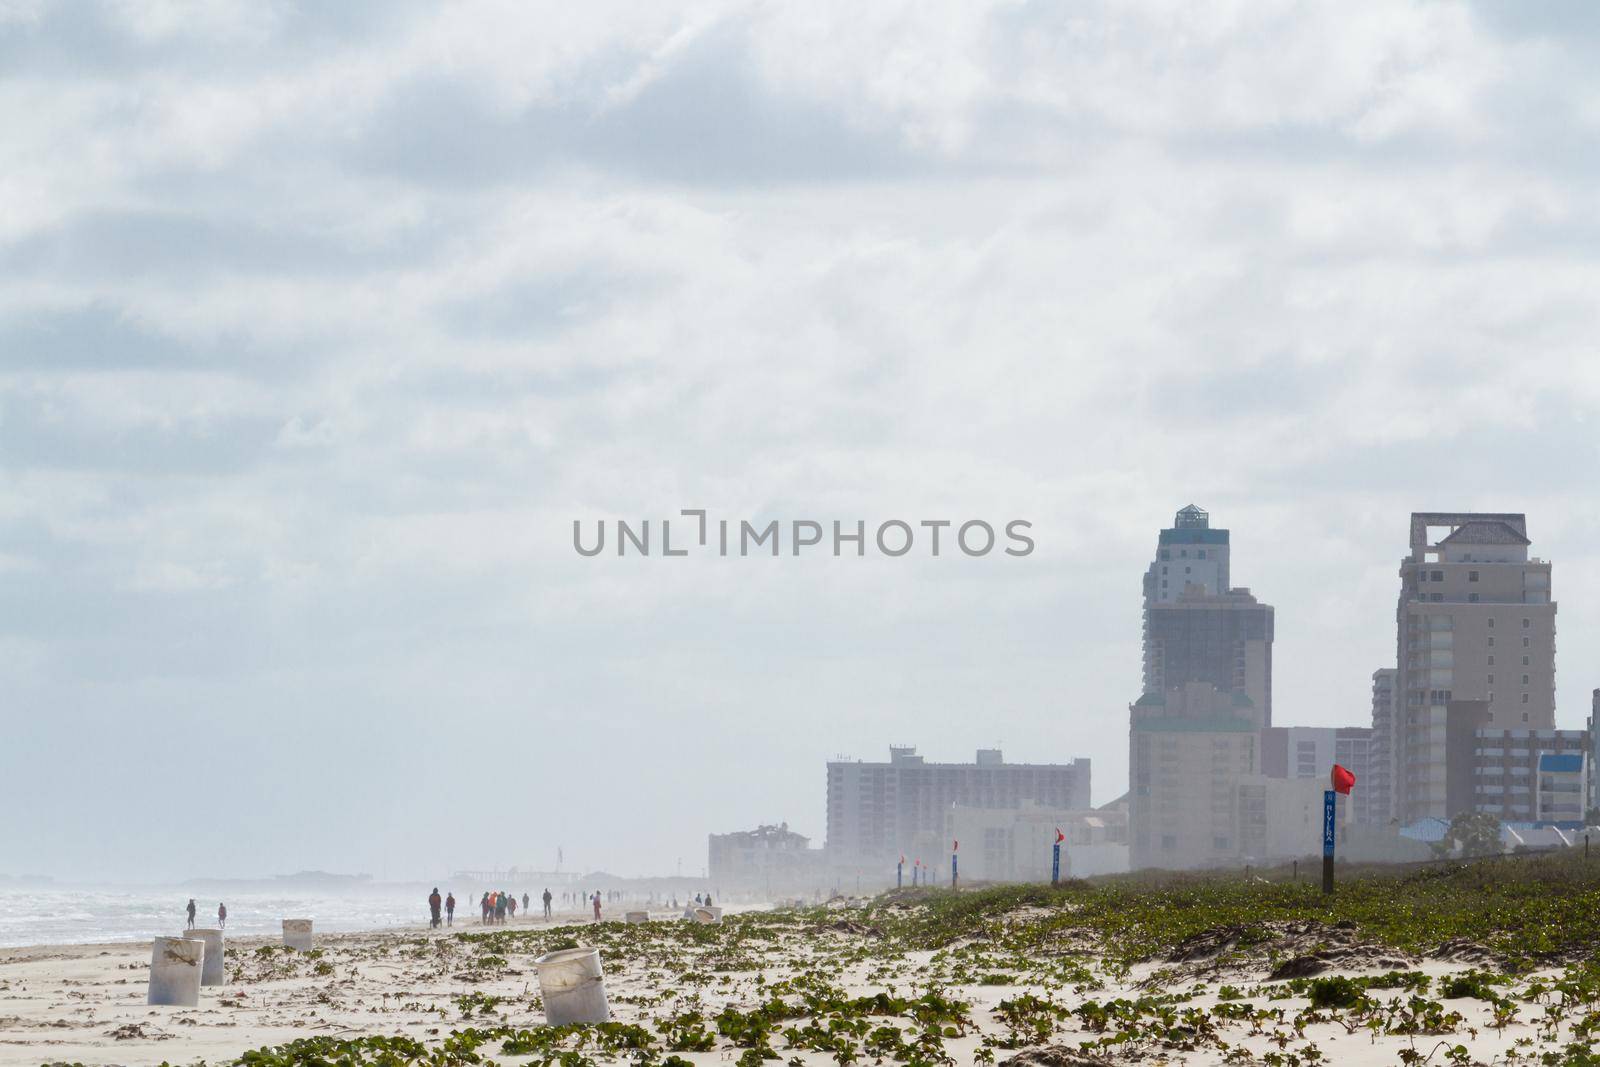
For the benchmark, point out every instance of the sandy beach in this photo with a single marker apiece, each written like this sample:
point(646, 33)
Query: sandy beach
point(820, 985)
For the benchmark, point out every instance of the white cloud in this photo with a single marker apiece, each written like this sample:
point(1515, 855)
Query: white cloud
point(321, 324)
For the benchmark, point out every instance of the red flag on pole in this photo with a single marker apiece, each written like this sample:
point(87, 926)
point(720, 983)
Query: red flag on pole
point(1060, 837)
point(1343, 780)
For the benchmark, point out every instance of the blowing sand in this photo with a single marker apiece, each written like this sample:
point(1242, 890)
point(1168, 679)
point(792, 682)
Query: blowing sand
point(87, 1003)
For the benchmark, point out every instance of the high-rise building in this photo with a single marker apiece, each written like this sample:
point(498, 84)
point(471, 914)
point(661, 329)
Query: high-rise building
point(1475, 624)
point(1380, 781)
point(1188, 750)
point(1519, 775)
point(1188, 553)
point(1196, 627)
point(876, 811)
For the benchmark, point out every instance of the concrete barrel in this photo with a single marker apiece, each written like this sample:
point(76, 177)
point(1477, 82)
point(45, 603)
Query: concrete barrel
point(297, 934)
point(175, 966)
point(212, 973)
point(636, 917)
point(573, 987)
point(708, 916)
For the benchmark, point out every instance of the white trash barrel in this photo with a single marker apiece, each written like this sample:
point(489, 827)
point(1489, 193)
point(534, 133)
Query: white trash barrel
point(637, 917)
point(211, 972)
point(175, 965)
point(709, 916)
point(573, 988)
point(297, 934)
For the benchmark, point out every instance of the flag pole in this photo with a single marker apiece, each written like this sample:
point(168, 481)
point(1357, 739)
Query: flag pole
point(1342, 781)
point(1329, 807)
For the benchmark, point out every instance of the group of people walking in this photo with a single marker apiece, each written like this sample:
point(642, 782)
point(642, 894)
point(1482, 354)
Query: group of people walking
point(222, 915)
point(493, 907)
point(498, 906)
point(435, 904)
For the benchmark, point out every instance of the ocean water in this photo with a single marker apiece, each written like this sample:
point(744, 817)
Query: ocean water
point(63, 915)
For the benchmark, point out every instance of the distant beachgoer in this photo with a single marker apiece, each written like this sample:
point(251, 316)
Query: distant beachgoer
point(191, 913)
point(486, 906)
point(697, 900)
point(222, 916)
point(449, 909)
point(524, 903)
point(511, 906)
point(547, 898)
point(434, 904)
point(597, 905)
point(708, 898)
point(499, 907)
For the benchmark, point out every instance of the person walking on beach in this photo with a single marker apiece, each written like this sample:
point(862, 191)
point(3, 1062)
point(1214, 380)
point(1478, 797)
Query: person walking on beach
point(597, 905)
point(434, 904)
point(547, 899)
point(191, 913)
point(222, 916)
point(449, 909)
point(499, 907)
point(524, 904)
point(511, 906)
point(485, 906)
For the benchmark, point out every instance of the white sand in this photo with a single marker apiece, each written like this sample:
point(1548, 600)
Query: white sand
point(86, 1003)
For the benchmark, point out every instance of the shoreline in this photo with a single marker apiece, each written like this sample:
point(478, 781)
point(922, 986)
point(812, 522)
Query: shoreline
point(610, 913)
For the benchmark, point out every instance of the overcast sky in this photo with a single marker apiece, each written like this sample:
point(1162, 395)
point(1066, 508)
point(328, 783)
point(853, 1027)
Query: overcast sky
point(319, 324)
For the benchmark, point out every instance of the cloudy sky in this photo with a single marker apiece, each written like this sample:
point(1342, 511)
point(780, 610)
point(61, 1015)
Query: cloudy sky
point(320, 324)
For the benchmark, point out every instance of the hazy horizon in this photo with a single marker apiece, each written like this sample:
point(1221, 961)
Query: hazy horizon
point(323, 323)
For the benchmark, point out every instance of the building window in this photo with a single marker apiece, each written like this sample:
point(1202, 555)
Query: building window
point(1169, 842)
point(1166, 553)
point(1438, 576)
point(1524, 661)
point(1524, 700)
point(1524, 679)
point(1524, 716)
point(1491, 661)
point(1472, 576)
point(1472, 598)
point(1200, 553)
point(1525, 643)
point(1221, 844)
point(1525, 623)
point(1491, 642)
point(1436, 597)
point(1491, 623)
point(1491, 679)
